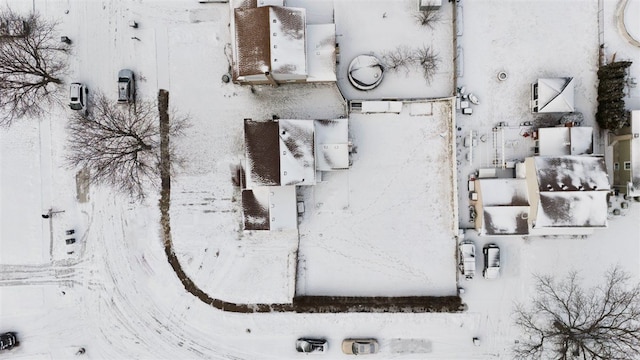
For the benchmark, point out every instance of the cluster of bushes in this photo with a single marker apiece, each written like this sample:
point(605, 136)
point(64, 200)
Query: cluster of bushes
point(611, 113)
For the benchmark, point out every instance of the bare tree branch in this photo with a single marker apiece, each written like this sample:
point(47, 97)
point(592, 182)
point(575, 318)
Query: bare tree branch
point(428, 17)
point(566, 321)
point(32, 63)
point(120, 144)
point(425, 59)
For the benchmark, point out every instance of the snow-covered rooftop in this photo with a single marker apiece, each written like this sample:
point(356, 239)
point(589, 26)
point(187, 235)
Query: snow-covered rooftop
point(270, 39)
point(504, 206)
point(635, 153)
point(321, 52)
point(571, 173)
point(556, 94)
point(279, 152)
point(563, 140)
point(572, 191)
point(572, 209)
point(504, 192)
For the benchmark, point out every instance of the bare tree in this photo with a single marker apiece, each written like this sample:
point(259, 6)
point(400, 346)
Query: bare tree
point(399, 58)
point(428, 17)
point(428, 61)
point(566, 321)
point(120, 145)
point(32, 63)
point(402, 57)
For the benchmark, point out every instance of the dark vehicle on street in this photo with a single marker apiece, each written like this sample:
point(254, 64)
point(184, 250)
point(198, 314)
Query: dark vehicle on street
point(126, 86)
point(8, 341)
point(311, 345)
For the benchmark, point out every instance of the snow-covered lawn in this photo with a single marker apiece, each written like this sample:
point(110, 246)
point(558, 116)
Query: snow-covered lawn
point(378, 26)
point(385, 226)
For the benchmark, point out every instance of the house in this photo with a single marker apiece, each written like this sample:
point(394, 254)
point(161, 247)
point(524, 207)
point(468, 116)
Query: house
point(568, 194)
point(281, 154)
point(552, 95)
point(502, 207)
point(564, 140)
point(626, 157)
point(274, 45)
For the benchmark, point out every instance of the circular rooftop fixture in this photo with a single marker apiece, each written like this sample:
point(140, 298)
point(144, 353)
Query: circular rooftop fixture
point(365, 72)
point(502, 76)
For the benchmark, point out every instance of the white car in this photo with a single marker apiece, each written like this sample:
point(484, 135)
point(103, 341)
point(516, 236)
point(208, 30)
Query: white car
point(78, 97)
point(467, 261)
point(359, 346)
point(491, 261)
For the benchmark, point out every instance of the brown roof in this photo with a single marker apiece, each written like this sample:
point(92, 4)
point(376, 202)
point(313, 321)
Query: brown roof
point(262, 149)
point(255, 215)
point(252, 41)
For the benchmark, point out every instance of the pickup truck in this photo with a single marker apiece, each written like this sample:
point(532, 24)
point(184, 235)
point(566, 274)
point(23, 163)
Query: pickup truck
point(467, 261)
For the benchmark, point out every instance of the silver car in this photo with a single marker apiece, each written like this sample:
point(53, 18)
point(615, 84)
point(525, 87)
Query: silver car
point(359, 346)
point(467, 260)
point(78, 97)
point(126, 86)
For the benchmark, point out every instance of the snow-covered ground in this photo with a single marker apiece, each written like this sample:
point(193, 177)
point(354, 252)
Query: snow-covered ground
point(384, 227)
point(119, 298)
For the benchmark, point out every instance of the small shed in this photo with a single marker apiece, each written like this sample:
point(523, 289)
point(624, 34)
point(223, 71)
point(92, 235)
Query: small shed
point(553, 95)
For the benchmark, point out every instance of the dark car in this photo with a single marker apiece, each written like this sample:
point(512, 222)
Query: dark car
point(491, 261)
point(8, 341)
point(311, 345)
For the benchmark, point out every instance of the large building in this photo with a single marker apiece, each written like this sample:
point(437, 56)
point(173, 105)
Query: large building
point(275, 45)
point(281, 154)
point(626, 157)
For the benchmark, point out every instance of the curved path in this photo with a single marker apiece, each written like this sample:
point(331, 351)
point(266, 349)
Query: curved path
point(622, 27)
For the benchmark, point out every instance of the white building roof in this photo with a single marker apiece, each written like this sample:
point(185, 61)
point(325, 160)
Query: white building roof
point(321, 52)
point(504, 192)
point(556, 95)
point(283, 214)
point(505, 220)
point(287, 36)
point(556, 141)
point(571, 173)
point(635, 153)
point(573, 191)
point(332, 144)
point(572, 209)
point(269, 208)
point(505, 206)
point(297, 159)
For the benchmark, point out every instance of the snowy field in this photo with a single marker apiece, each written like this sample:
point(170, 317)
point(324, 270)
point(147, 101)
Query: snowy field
point(384, 227)
point(378, 26)
point(119, 298)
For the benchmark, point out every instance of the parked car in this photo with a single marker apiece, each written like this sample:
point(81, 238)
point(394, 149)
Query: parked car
point(467, 261)
point(126, 86)
point(8, 341)
point(311, 345)
point(491, 261)
point(78, 97)
point(359, 346)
